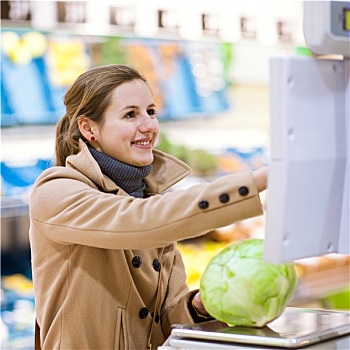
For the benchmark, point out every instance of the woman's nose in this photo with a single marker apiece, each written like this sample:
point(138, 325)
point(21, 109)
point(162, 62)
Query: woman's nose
point(148, 123)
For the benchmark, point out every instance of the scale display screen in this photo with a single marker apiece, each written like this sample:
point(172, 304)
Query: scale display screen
point(340, 18)
point(347, 19)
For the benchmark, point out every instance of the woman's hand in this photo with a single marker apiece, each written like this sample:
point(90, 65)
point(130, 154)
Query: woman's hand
point(260, 178)
point(197, 303)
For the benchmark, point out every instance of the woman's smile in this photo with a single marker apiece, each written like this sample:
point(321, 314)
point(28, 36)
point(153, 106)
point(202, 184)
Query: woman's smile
point(144, 143)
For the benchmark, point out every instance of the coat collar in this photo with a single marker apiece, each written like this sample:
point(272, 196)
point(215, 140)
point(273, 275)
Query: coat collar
point(166, 171)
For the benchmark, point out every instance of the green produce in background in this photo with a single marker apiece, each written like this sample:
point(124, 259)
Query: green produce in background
point(109, 50)
point(202, 162)
point(240, 288)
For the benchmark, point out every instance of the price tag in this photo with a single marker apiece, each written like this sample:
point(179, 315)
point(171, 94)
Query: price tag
point(168, 21)
point(210, 24)
point(123, 17)
point(71, 12)
point(284, 31)
point(15, 10)
point(248, 28)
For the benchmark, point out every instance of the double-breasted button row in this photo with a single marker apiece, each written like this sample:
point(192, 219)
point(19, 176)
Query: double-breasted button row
point(137, 262)
point(143, 313)
point(156, 265)
point(224, 197)
point(157, 318)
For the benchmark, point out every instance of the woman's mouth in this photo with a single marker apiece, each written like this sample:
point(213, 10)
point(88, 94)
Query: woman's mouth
point(142, 143)
point(146, 142)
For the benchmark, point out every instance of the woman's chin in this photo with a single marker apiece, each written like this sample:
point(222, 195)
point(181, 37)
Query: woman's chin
point(143, 162)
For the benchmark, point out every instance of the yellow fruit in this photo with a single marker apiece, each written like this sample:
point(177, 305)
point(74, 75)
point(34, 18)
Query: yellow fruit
point(20, 54)
point(35, 43)
point(9, 41)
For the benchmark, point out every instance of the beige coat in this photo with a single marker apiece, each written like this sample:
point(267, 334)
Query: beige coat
point(96, 251)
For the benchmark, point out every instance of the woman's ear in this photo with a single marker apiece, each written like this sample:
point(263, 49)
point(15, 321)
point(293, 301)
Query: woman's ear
point(86, 128)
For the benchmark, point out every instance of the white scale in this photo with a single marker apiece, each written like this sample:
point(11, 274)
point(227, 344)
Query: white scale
point(307, 210)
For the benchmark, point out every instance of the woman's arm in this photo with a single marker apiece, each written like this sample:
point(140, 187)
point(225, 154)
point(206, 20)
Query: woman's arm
point(66, 208)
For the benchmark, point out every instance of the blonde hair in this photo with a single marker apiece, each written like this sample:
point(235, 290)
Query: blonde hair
point(89, 96)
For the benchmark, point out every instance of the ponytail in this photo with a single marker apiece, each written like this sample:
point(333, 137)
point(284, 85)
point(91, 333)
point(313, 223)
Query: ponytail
point(67, 139)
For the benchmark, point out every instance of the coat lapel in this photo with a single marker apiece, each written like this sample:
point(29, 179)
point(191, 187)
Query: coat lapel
point(166, 171)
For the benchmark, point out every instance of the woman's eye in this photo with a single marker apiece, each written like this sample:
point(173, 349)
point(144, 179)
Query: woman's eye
point(130, 115)
point(152, 112)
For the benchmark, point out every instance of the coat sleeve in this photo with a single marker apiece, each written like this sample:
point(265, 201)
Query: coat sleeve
point(69, 210)
point(177, 297)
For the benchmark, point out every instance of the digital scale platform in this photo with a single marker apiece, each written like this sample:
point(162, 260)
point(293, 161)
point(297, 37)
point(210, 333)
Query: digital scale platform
point(296, 328)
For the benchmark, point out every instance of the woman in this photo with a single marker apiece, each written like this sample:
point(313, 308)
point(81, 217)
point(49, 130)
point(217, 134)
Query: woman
point(106, 271)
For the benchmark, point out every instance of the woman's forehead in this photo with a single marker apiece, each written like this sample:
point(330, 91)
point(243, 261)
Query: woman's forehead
point(135, 92)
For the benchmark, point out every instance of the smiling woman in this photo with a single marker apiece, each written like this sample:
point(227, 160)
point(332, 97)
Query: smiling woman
point(130, 126)
point(103, 221)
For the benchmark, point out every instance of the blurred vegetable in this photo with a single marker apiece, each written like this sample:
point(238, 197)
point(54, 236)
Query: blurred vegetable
point(202, 162)
point(110, 51)
point(239, 288)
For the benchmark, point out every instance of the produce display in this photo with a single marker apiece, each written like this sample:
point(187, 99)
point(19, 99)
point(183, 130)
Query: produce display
point(67, 58)
point(239, 288)
point(21, 49)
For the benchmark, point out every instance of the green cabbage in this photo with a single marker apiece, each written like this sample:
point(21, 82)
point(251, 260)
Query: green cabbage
point(240, 288)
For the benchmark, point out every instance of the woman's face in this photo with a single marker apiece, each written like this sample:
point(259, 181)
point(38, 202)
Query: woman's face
point(130, 127)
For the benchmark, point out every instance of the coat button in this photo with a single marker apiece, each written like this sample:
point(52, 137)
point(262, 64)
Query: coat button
point(224, 198)
point(136, 261)
point(243, 191)
point(156, 319)
point(203, 204)
point(156, 265)
point(143, 313)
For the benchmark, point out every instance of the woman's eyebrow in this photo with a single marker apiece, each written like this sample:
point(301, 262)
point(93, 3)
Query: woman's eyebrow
point(128, 107)
point(132, 106)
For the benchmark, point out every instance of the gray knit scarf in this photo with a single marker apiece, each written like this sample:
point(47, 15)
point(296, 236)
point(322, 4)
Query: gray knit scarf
point(128, 177)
